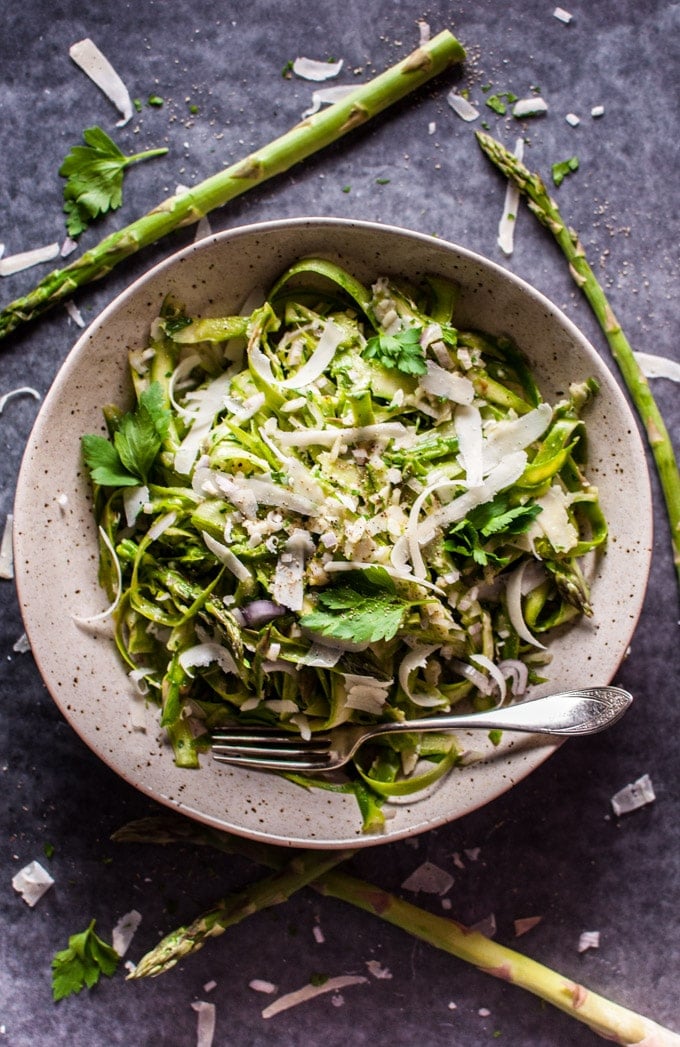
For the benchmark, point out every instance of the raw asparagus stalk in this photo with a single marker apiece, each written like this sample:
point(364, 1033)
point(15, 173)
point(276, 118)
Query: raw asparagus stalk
point(308, 137)
point(301, 870)
point(533, 188)
point(611, 1021)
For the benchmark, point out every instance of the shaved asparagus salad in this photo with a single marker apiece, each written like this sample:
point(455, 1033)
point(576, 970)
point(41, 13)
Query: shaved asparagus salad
point(339, 507)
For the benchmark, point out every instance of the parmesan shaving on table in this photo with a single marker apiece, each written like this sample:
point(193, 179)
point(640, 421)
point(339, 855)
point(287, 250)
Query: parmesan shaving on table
point(658, 366)
point(311, 69)
point(32, 882)
point(94, 64)
point(15, 263)
point(309, 991)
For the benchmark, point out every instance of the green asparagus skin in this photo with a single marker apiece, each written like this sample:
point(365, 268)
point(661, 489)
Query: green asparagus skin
point(611, 1021)
point(308, 137)
point(298, 872)
point(533, 188)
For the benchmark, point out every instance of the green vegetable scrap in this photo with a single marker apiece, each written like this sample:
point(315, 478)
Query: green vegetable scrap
point(313, 513)
point(499, 102)
point(563, 168)
point(81, 964)
point(94, 174)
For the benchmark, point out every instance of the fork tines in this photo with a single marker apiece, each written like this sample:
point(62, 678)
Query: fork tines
point(270, 747)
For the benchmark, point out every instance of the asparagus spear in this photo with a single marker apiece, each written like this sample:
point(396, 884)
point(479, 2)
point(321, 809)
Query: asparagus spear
point(301, 870)
point(309, 136)
point(608, 1019)
point(532, 186)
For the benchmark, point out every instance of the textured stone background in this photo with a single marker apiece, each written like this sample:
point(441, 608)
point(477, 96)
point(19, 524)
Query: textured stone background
point(551, 846)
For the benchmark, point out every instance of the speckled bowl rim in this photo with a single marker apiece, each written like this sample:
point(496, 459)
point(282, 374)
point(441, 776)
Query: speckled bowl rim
point(56, 552)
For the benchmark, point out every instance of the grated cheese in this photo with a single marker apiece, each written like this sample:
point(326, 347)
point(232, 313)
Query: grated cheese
point(327, 96)
point(562, 15)
point(589, 940)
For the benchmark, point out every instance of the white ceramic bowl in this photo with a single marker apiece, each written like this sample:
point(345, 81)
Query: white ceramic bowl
point(56, 546)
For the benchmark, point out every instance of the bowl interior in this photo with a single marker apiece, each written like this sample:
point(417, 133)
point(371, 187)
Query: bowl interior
point(56, 545)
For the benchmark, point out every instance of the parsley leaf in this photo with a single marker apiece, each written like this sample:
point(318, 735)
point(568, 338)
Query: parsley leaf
point(402, 350)
point(94, 174)
point(468, 537)
point(365, 608)
point(82, 963)
point(127, 461)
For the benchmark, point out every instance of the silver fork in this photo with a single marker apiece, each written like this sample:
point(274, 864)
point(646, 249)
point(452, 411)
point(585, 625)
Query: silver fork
point(567, 713)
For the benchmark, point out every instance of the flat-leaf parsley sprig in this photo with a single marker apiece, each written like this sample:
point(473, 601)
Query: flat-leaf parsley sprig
point(94, 178)
point(81, 964)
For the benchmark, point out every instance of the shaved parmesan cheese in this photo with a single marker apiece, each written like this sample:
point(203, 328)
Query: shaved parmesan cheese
point(203, 654)
point(508, 221)
point(205, 1029)
point(485, 926)
point(428, 879)
point(377, 970)
point(74, 313)
point(321, 657)
point(461, 107)
point(327, 96)
point(526, 924)
point(329, 341)
point(553, 520)
point(633, 796)
point(503, 475)
point(134, 500)
point(94, 64)
point(32, 882)
point(22, 645)
point(350, 435)
point(203, 228)
point(15, 263)
point(572, 119)
point(311, 69)
point(589, 940)
point(161, 525)
point(468, 424)
point(658, 366)
point(204, 405)
point(508, 436)
point(308, 992)
point(534, 106)
point(260, 985)
point(597, 110)
point(287, 587)
point(19, 391)
point(225, 556)
point(124, 931)
point(6, 550)
point(562, 15)
point(68, 247)
point(440, 382)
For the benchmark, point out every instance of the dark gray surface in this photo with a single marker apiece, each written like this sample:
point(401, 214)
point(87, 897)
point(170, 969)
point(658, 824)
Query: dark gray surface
point(550, 847)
